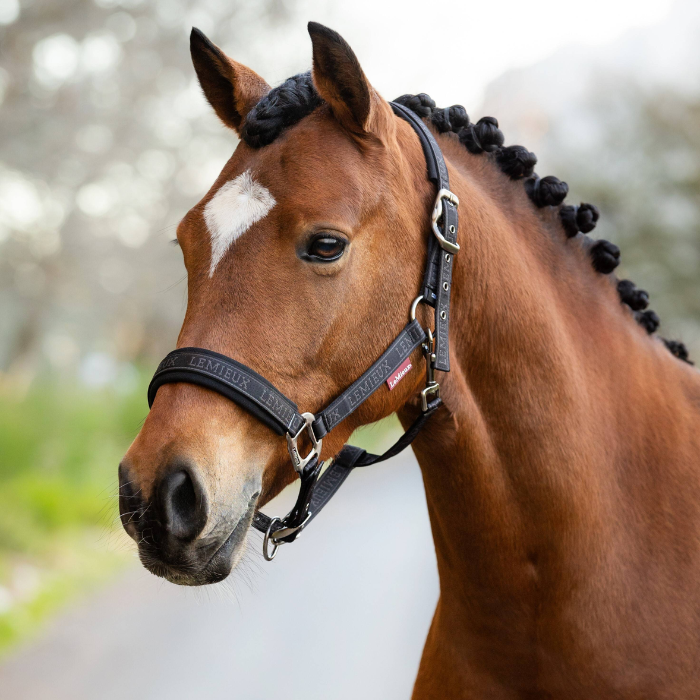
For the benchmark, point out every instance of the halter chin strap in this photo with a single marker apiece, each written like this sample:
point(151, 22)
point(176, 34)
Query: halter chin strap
point(259, 397)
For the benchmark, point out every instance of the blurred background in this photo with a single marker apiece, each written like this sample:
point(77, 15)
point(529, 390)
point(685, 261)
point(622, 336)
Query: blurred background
point(105, 142)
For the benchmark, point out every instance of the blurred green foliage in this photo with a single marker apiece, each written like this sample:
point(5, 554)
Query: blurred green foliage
point(60, 445)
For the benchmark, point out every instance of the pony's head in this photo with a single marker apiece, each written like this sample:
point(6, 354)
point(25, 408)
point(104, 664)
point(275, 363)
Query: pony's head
point(302, 260)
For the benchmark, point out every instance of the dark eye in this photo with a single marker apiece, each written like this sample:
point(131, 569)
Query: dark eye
point(325, 248)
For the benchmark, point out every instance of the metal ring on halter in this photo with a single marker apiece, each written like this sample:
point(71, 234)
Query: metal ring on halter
point(414, 306)
point(299, 462)
point(269, 556)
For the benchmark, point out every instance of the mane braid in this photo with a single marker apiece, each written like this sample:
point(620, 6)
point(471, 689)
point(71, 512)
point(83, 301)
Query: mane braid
point(296, 98)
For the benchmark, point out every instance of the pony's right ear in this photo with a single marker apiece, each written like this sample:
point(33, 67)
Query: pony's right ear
point(230, 88)
point(340, 81)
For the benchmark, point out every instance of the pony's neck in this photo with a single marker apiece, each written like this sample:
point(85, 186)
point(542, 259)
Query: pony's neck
point(561, 475)
point(537, 340)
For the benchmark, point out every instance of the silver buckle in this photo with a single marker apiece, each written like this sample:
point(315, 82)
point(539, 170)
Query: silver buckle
point(432, 387)
point(298, 461)
point(437, 213)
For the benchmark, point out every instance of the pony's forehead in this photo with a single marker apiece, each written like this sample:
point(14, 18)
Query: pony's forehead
point(313, 156)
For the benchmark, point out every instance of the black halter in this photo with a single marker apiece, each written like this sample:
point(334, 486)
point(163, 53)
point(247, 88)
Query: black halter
point(256, 395)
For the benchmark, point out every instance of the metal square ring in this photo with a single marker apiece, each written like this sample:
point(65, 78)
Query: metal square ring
point(299, 462)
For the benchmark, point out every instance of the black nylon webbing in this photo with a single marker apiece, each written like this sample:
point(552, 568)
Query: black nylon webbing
point(359, 391)
point(253, 392)
point(444, 288)
point(437, 281)
point(233, 380)
point(437, 168)
point(349, 458)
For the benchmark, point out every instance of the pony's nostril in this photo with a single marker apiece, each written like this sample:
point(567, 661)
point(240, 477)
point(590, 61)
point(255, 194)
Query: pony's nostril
point(184, 499)
point(184, 505)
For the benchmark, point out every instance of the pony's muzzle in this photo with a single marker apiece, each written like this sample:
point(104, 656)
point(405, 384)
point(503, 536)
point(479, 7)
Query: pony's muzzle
point(178, 537)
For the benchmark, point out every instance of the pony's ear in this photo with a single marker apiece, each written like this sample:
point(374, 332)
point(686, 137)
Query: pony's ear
point(341, 82)
point(231, 88)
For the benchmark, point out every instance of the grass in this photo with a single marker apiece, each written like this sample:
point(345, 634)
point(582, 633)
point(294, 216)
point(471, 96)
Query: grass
point(59, 533)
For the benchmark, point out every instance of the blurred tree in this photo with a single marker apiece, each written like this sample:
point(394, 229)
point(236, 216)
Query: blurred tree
point(644, 172)
point(106, 142)
point(621, 124)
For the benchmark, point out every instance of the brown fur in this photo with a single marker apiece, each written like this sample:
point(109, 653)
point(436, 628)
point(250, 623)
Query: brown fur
point(562, 476)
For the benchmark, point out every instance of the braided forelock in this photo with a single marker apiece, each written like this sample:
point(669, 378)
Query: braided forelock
point(279, 109)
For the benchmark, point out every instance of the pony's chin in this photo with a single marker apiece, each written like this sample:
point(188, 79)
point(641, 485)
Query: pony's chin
point(214, 571)
point(202, 563)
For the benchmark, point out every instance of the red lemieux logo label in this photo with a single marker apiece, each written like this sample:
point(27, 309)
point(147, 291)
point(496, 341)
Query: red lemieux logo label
point(401, 371)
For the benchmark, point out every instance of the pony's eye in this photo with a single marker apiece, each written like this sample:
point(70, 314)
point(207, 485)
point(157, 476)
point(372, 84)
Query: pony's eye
point(325, 248)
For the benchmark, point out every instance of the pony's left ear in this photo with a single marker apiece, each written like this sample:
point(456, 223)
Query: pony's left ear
point(341, 82)
point(231, 88)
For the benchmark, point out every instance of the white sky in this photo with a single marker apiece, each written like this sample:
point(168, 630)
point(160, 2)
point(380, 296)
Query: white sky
point(405, 46)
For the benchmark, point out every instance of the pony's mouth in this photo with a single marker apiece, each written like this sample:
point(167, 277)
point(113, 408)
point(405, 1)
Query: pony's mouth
point(196, 564)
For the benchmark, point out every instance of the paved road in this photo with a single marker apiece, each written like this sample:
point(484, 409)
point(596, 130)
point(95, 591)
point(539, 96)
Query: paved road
point(342, 613)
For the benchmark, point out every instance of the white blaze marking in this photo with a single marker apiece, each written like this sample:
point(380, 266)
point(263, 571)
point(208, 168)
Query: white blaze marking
point(232, 211)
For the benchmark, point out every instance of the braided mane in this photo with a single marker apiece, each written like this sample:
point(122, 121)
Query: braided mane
point(296, 98)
